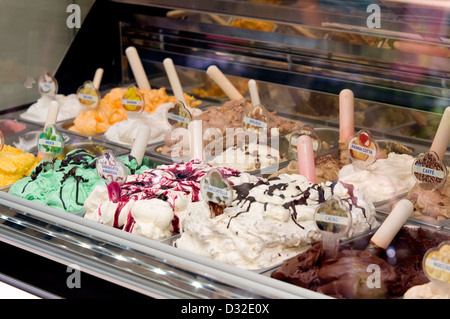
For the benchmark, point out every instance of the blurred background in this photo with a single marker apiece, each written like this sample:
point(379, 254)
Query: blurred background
point(34, 38)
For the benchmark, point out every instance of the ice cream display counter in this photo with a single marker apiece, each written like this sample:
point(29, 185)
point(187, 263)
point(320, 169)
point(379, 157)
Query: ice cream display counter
point(156, 184)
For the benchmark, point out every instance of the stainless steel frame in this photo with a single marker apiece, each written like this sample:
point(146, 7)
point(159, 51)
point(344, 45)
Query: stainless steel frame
point(282, 59)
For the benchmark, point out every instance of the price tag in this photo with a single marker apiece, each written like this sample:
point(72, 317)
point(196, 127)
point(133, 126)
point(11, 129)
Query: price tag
point(51, 142)
point(215, 188)
point(304, 130)
point(88, 95)
point(333, 220)
point(256, 120)
point(362, 148)
point(436, 264)
point(429, 171)
point(111, 168)
point(178, 115)
point(47, 84)
point(2, 141)
point(133, 100)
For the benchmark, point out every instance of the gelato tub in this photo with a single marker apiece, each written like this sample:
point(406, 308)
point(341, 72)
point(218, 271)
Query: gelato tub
point(421, 129)
point(66, 182)
point(152, 204)
point(379, 117)
point(267, 222)
point(431, 206)
point(15, 164)
point(242, 161)
point(65, 126)
point(69, 108)
point(27, 142)
point(346, 276)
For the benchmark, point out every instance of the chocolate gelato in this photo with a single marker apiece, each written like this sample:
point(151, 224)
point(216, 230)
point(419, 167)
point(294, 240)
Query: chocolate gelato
point(228, 116)
point(348, 275)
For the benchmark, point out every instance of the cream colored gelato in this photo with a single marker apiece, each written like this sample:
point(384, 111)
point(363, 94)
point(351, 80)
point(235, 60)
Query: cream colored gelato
point(249, 157)
point(124, 132)
point(383, 179)
point(69, 107)
point(427, 291)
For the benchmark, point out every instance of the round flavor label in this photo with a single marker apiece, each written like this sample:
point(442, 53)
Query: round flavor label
point(429, 171)
point(111, 168)
point(436, 263)
point(256, 120)
point(332, 217)
point(216, 188)
point(47, 84)
point(178, 115)
point(363, 148)
point(133, 100)
point(51, 141)
point(304, 130)
point(88, 95)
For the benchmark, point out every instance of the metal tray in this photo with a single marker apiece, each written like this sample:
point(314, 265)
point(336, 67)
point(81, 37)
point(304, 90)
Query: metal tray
point(27, 142)
point(102, 138)
point(170, 241)
point(7, 131)
point(379, 117)
point(386, 207)
point(264, 172)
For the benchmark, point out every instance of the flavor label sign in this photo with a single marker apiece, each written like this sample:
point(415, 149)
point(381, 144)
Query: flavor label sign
point(429, 171)
point(332, 217)
point(178, 115)
point(88, 95)
point(436, 263)
point(256, 120)
point(51, 141)
point(111, 168)
point(304, 130)
point(363, 148)
point(47, 84)
point(133, 100)
point(333, 221)
point(216, 188)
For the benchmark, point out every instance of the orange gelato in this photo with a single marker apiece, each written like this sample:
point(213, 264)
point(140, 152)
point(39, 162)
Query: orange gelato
point(110, 110)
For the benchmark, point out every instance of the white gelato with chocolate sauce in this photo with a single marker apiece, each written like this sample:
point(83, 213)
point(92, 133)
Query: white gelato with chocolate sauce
point(268, 221)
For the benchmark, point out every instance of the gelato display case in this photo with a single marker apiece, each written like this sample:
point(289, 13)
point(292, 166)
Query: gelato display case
point(302, 54)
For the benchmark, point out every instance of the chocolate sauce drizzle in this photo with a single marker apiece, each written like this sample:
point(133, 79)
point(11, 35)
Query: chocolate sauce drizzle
point(243, 191)
point(72, 173)
point(151, 184)
point(78, 157)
